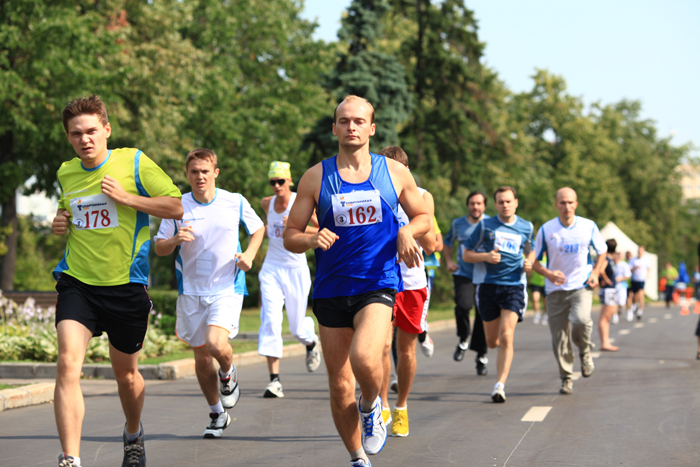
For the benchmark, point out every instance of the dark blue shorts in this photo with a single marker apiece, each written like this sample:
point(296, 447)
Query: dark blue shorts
point(492, 298)
point(637, 286)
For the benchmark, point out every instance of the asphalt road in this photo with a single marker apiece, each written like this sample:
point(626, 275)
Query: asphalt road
point(641, 407)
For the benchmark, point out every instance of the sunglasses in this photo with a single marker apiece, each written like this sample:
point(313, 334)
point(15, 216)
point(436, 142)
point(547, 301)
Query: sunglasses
point(279, 182)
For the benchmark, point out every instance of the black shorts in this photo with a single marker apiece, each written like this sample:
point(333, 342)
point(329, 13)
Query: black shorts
point(492, 298)
point(119, 310)
point(637, 286)
point(536, 288)
point(339, 312)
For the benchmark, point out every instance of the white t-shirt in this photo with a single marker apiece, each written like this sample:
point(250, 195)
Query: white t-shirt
point(277, 255)
point(567, 250)
point(622, 269)
point(413, 278)
point(642, 265)
point(207, 265)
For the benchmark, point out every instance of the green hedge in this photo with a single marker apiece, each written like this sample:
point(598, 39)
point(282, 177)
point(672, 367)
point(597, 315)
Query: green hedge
point(164, 308)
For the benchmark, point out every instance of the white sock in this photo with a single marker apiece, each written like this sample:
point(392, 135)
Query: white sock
point(464, 345)
point(359, 454)
point(76, 461)
point(502, 386)
point(224, 375)
point(218, 408)
point(401, 408)
point(131, 437)
point(367, 407)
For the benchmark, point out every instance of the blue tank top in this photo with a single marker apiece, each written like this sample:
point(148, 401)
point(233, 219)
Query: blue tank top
point(363, 259)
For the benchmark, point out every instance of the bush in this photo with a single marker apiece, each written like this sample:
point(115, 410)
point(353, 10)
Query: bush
point(164, 310)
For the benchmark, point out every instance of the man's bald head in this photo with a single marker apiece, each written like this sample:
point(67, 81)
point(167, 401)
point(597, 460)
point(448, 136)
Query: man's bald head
point(566, 192)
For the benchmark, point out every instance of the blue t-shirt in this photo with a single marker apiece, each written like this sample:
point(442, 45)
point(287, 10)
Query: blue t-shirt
point(512, 240)
point(365, 217)
point(460, 230)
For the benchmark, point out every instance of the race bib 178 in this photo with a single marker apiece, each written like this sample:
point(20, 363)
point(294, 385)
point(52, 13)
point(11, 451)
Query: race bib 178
point(357, 208)
point(94, 212)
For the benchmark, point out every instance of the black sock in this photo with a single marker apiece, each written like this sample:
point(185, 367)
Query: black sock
point(274, 376)
point(421, 336)
point(310, 347)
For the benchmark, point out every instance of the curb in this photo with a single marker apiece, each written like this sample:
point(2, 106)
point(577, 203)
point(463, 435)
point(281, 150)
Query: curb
point(27, 395)
point(170, 370)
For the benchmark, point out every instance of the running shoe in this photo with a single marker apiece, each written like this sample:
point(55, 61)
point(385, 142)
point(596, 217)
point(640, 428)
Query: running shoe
point(587, 366)
point(228, 388)
point(481, 362)
point(400, 425)
point(459, 351)
point(640, 311)
point(427, 346)
point(567, 386)
point(615, 319)
point(373, 428)
point(64, 460)
point(394, 386)
point(274, 389)
point(134, 453)
point(386, 415)
point(630, 314)
point(313, 358)
point(219, 422)
point(360, 463)
point(545, 320)
point(499, 393)
point(537, 318)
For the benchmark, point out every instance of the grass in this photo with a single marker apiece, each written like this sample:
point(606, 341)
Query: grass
point(237, 346)
point(10, 386)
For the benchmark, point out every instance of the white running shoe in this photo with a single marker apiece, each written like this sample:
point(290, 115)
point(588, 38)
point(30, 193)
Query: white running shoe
point(373, 428)
point(228, 389)
point(360, 463)
point(313, 358)
point(537, 318)
point(630, 314)
point(545, 320)
point(274, 389)
point(499, 393)
point(615, 319)
point(640, 311)
point(219, 422)
point(427, 346)
point(394, 386)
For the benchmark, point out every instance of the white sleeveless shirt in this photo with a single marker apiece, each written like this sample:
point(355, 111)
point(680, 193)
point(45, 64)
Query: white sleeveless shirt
point(413, 278)
point(276, 253)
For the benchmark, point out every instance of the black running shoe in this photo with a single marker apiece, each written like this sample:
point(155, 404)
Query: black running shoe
point(481, 362)
point(459, 353)
point(134, 453)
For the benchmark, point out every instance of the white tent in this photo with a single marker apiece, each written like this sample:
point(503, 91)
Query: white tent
point(625, 244)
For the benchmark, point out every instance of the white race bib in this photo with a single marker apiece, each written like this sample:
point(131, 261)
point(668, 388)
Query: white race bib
point(507, 242)
point(357, 208)
point(94, 212)
point(275, 229)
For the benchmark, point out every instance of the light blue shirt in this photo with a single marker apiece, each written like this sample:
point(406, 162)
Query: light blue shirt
point(460, 230)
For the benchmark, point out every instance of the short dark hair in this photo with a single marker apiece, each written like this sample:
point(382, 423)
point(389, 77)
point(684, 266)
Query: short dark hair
point(396, 153)
point(503, 189)
point(201, 153)
point(92, 105)
point(476, 193)
point(612, 245)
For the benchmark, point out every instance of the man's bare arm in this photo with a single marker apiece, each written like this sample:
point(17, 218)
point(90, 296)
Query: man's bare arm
point(428, 241)
point(597, 269)
point(295, 237)
point(165, 207)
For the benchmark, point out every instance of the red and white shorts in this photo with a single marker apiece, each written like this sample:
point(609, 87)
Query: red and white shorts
point(411, 310)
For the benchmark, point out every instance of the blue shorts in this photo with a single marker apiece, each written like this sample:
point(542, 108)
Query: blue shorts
point(637, 286)
point(492, 298)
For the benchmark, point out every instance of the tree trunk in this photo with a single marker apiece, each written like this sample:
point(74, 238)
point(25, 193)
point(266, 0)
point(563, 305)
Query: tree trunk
point(7, 262)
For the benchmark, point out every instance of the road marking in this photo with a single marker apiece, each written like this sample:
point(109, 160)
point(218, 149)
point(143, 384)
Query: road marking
point(638, 325)
point(668, 316)
point(661, 362)
point(595, 354)
point(576, 375)
point(652, 320)
point(623, 332)
point(536, 414)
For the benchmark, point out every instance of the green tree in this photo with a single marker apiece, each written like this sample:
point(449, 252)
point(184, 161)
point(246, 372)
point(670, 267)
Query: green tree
point(364, 70)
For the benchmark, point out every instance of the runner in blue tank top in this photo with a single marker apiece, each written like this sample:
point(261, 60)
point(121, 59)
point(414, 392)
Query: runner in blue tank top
point(497, 246)
point(356, 195)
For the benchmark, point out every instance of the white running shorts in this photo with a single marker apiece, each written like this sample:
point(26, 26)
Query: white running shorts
point(608, 297)
point(621, 294)
point(196, 312)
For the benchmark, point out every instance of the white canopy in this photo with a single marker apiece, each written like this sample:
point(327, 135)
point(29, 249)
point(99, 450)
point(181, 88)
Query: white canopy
point(625, 244)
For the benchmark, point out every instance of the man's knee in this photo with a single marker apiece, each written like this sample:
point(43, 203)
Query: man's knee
point(126, 375)
point(203, 359)
point(492, 342)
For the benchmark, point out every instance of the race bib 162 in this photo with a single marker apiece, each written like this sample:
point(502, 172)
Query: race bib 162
point(357, 208)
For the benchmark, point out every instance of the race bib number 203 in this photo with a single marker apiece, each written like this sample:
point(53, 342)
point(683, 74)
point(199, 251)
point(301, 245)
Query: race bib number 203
point(94, 212)
point(357, 208)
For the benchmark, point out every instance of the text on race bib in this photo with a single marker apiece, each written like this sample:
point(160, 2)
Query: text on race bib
point(569, 246)
point(507, 242)
point(275, 229)
point(94, 212)
point(357, 208)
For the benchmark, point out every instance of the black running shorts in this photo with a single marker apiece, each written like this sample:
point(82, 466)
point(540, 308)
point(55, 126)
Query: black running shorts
point(119, 310)
point(339, 312)
point(492, 298)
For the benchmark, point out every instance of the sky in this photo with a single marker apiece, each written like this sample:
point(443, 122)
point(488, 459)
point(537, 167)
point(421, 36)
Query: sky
point(606, 50)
